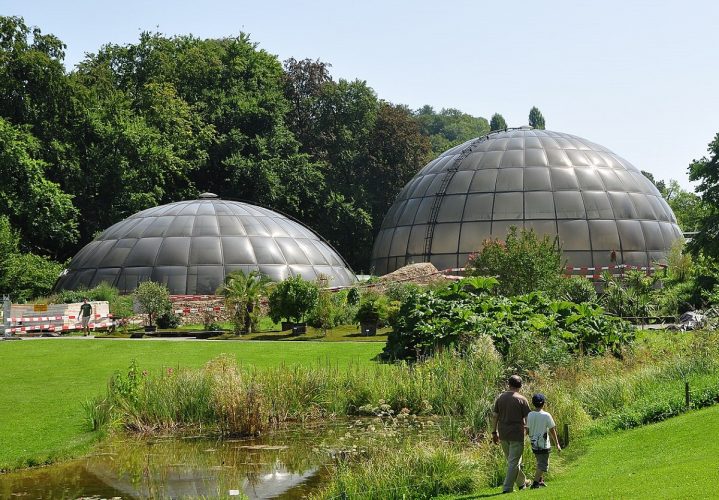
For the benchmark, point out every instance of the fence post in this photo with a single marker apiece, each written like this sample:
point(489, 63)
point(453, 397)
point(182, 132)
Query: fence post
point(566, 435)
point(687, 399)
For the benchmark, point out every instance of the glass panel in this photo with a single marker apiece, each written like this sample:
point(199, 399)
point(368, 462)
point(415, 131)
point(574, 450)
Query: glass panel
point(380, 266)
point(610, 179)
point(574, 234)
point(596, 158)
point(532, 143)
point(460, 182)
point(500, 228)
point(667, 210)
point(237, 250)
point(425, 208)
point(275, 272)
point(205, 250)
point(510, 179)
point(208, 278)
point(451, 208)
point(537, 179)
point(158, 227)
point(604, 236)
point(144, 252)
point(229, 225)
point(205, 225)
point(276, 231)
point(667, 233)
point(206, 207)
point(578, 259)
point(499, 144)
point(597, 205)
point(539, 205)
point(622, 205)
point(442, 262)
point(139, 228)
point(630, 234)
point(513, 158)
point(308, 273)
point(174, 251)
point(627, 180)
point(491, 159)
point(473, 235)
point(330, 255)
point(589, 179)
point(399, 241)
point(515, 143)
point(292, 228)
point(564, 178)
point(653, 235)
point(472, 161)
point(417, 239)
point(508, 206)
point(222, 208)
point(577, 158)
point(314, 255)
point(635, 258)
point(118, 253)
point(91, 254)
point(421, 188)
point(643, 206)
point(292, 252)
point(410, 210)
point(484, 181)
point(383, 241)
point(542, 227)
point(130, 277)
point(569, 205)
point(266, 250)
point(180, 226)
point(535, 158)
point(445, 239)
point(659, 210)
point(253, 226)
point(105, 275)
point(175, 278)
point(557, 158)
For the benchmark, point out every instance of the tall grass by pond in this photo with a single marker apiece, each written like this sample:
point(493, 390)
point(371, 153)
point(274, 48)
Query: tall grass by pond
point(228, 399)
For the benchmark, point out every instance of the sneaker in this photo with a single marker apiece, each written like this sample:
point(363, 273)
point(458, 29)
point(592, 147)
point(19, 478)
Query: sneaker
point(542, 485)
point(535, 485)
point(526, 485)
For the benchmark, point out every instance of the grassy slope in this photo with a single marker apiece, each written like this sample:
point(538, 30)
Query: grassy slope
point(45, 382)
point(676, 458)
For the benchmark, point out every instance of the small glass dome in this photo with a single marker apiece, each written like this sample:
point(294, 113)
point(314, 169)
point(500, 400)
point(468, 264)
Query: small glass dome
point(192, 245)
point(555, 183)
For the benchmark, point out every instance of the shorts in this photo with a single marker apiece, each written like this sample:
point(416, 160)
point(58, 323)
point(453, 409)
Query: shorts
point(542, 460)
point(85, 321)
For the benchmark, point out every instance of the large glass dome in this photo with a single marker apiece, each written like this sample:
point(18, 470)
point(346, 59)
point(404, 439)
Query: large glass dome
point(192, 245)
point(556, 183)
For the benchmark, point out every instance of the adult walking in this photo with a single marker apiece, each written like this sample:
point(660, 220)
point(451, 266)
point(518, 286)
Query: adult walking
point(85, 313)
point(508, 422)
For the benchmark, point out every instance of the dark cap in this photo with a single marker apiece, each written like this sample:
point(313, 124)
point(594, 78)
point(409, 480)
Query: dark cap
point(538, 399)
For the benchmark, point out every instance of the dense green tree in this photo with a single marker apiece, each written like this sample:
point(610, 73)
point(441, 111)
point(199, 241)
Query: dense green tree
point(536, 120)
point(449, 127)
point(687, 206)
point(242, 293)
point(706, 172)
point(497, 123)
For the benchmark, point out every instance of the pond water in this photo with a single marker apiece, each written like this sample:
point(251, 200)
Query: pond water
point(284, 464)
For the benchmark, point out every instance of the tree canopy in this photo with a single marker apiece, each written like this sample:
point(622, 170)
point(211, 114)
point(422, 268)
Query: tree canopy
point(536, 120)
point(497, 123)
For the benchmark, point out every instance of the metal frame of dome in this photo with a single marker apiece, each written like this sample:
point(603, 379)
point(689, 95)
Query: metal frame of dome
point(192, 245)
point(555, 183)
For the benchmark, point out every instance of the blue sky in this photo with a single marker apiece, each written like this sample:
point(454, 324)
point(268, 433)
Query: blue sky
point(638, 77)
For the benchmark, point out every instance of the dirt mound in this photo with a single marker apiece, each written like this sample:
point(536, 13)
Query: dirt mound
point(423, 273)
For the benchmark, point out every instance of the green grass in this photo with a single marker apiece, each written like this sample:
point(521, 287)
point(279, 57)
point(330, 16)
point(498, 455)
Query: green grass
point(46, 381)
point(676, 458)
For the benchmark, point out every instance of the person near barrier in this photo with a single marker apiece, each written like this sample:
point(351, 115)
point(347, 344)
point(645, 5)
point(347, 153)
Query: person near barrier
point(85, 314)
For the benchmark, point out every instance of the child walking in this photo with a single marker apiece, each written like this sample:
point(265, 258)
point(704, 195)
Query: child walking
point(540, 425)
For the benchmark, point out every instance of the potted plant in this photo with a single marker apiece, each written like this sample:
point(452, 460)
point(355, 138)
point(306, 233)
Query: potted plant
point(153, 300)
point(371, 311)
point(292, 299)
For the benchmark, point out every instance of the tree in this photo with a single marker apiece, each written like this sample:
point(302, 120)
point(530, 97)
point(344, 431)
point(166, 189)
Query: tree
point(242, 293)
point(497, 123)
point(536, 120)
point(706, 171)
point(153, 299)
point(449, 127)
point(522, 263)
point(292, 299)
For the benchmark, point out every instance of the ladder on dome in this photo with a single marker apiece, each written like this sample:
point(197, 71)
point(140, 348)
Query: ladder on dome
point(442, 191)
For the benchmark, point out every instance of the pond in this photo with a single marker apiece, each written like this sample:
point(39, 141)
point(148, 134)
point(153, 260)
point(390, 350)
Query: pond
point(285, 464)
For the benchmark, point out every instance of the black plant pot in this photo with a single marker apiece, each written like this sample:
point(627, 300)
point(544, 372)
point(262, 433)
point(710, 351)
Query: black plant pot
point(150, 328)
point(287, 325)
point(368, 329)
point(299, 328)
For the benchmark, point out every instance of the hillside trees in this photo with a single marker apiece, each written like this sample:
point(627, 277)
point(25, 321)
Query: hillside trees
point(449, 127)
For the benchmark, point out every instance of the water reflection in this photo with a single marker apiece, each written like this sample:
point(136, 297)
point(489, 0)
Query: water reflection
point(285, 464)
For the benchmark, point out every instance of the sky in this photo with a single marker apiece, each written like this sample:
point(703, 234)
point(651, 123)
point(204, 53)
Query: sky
point(638, 77)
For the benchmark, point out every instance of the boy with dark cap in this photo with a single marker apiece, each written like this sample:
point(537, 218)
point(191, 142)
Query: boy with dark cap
point(540, 425)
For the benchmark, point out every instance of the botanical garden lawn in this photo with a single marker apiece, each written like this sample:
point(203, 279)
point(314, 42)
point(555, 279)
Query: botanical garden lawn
point(45, 382)
point(676, 458)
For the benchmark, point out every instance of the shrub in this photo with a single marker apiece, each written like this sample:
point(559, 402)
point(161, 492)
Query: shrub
point(292, 299)
point(242, 293)
point(168, 319)
point(577, 289)
point(523, 262)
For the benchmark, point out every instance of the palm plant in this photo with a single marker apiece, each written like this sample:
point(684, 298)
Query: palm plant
point(242, 293)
